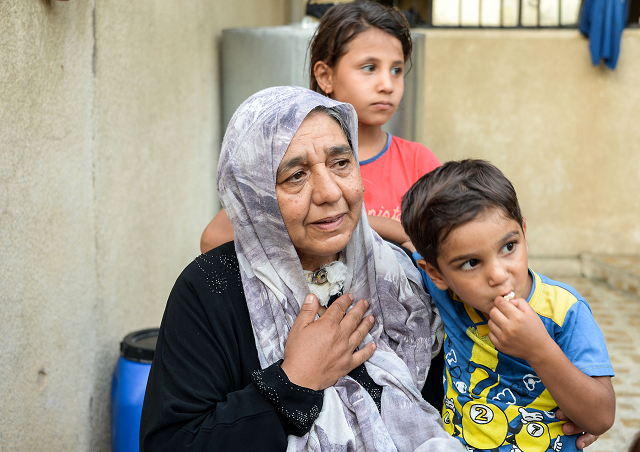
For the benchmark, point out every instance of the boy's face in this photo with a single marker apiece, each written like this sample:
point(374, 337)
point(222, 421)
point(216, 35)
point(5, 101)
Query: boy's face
point(483, 259)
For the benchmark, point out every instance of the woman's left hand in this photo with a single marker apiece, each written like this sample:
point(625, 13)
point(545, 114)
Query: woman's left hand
point(319, 352)
point(584, 440)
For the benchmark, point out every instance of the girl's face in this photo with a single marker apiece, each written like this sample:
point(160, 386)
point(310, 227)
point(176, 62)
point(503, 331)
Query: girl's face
point(369, 76)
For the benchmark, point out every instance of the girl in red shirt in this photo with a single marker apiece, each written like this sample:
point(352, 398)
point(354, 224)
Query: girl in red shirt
point(358, 56)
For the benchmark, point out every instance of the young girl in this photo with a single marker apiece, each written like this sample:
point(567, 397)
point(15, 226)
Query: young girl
point(358, 56)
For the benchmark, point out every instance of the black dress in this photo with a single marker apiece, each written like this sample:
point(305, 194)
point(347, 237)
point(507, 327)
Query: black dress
point(206, 390)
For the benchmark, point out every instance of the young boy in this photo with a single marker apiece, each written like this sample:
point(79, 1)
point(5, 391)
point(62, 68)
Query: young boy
point(518, 345)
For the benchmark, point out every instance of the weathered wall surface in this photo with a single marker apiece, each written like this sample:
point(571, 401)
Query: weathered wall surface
point(566, 133)
point(109, 124)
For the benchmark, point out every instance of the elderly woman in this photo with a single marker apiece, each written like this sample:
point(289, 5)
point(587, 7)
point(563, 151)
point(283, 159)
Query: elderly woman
point(243, 362)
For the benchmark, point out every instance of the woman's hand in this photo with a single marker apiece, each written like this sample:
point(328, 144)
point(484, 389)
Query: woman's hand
point(584, 440)
point(319, 352)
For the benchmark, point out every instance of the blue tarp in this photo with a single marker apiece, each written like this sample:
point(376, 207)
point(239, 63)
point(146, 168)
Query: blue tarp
point(602, 22)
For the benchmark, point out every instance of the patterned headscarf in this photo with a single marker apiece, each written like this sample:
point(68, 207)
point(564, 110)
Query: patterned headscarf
point(256, 140)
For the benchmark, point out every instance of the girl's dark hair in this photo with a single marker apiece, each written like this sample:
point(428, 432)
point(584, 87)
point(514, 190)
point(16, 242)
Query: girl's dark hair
point(451, 195)
point(343, 22)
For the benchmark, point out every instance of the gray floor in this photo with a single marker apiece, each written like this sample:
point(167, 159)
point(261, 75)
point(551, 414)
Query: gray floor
point(618, 315)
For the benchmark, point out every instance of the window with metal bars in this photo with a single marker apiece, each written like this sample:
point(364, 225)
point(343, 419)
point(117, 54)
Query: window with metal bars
point(499, 13)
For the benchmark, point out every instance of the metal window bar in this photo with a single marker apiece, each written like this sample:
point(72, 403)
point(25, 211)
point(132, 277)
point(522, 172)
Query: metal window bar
point(416, 20)
point(634, 13)
point(520, 9)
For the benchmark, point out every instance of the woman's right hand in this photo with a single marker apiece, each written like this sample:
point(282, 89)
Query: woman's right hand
point(319, 352)
point(570, 428)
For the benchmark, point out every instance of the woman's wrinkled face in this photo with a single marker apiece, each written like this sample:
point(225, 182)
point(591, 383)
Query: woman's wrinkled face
point(319, 191)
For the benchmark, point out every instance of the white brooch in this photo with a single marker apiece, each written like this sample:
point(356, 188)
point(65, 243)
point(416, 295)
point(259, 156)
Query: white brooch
point(327, 281)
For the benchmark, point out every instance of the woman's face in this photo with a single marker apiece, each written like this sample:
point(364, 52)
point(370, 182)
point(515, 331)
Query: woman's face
point(319, 191)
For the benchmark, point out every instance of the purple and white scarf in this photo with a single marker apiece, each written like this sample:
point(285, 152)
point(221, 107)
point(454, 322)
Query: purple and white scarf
point(405, 326)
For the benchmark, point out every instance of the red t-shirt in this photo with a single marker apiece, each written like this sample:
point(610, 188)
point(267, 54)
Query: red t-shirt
point(389, 175)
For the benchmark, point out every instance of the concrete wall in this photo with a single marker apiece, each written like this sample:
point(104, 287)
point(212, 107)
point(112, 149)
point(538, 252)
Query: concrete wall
point(566, 133)
point(109, 127)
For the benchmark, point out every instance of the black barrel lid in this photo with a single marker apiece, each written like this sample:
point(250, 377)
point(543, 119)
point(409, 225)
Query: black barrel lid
point(140, 345)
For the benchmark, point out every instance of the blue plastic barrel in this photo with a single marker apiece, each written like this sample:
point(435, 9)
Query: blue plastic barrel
point(127, 391)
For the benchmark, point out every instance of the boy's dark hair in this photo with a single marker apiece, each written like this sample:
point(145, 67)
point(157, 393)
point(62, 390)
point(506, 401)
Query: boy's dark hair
point(451, 195)
point(635, 444)
point(343, 22)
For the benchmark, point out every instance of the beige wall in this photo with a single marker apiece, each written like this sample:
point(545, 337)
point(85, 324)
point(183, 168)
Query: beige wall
point(109, 127)
point(566, 133)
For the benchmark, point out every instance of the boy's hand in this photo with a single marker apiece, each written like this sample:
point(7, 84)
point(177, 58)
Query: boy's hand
point(516, 328)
